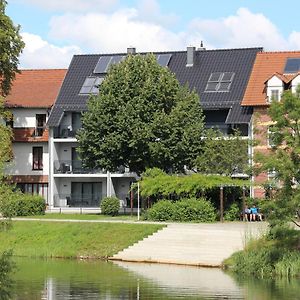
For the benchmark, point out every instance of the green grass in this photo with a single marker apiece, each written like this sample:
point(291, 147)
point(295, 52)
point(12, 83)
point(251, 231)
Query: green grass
point(84, 217)
point(72, 240)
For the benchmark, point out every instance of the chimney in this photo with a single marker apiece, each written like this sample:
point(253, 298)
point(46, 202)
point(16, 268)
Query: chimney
point(131, 50)
point(201, 48)
point(190, 58)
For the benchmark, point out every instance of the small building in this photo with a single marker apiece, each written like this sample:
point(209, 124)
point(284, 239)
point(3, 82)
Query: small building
point(220, 78)
point(31, 97)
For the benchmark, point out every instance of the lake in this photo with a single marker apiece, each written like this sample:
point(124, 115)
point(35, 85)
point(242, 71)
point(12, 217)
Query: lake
point(71, 279)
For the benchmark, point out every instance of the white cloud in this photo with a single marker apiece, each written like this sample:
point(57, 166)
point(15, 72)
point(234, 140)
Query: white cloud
point(72, 5)
point(38, 53)
point(244, 29)
point(114, 32)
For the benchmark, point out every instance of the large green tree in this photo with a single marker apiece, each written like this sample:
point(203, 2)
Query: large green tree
point(142, 118)
point(284, 156)
point(11, 46)
point(226, 155)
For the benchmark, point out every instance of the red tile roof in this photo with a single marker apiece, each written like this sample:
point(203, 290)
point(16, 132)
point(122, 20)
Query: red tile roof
point(35, 88)
point(266, 64)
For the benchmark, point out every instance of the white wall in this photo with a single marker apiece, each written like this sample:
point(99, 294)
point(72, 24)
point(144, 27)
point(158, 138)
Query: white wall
point(26, 117)
point(295, 83)
point(22, 163)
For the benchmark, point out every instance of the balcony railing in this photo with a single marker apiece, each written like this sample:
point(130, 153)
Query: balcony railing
point(78, 200)
point(39, 131)
point(74, 167)
point(65, 131)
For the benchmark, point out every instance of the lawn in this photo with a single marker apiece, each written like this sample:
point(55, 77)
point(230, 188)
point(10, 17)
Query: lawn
point(84, 217)
point(72, 240)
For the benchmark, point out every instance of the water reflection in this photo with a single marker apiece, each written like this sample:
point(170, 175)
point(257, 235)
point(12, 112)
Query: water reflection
point(67, 279)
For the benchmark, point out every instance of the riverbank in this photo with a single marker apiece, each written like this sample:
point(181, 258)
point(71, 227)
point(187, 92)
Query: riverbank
point(72, 240)
point(275, 254)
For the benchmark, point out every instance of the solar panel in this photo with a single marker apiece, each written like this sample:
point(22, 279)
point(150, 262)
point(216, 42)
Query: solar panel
point(164, 59)
point(102, 64)
point(292, 65)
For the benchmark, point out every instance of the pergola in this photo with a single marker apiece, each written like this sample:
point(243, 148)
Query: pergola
point(166, 185)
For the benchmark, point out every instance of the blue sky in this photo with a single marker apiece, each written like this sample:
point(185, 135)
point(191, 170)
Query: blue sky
point(54, 30)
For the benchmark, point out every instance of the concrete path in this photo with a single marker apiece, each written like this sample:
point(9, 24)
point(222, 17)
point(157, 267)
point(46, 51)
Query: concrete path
point(193, 244)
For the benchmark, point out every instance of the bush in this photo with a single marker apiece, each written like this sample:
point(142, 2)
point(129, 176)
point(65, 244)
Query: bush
point(110, 206)
point(18, 204)
point(232, 213)
point(200, 210)
point(163, 210)
point(185, 210)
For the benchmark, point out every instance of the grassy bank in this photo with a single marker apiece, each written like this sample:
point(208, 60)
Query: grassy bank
point(72, 240)
point(276, 254)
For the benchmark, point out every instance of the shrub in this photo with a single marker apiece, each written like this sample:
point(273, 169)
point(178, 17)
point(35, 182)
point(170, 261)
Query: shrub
point(110, 206)
point(18, 204)
point(232, 213)
point(162, 210)
point(200, 210)
point(185, 210)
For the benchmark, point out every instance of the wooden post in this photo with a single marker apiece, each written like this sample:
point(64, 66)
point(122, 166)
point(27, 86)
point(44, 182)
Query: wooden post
point(221, 204)
point(244, 203)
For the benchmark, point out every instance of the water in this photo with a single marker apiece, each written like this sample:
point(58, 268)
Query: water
point(69, 279)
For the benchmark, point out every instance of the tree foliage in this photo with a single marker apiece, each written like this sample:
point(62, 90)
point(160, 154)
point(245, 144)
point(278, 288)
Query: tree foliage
point(141, 118)
point(222, 155)
point(11, 46)
point(284, 156)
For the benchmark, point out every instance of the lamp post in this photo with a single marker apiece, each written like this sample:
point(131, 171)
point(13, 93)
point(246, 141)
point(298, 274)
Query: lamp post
point(138, 200)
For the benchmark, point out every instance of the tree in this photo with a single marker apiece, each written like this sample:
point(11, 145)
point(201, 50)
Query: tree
point(11, 46)
point(284, 156)
point(142, 118)
point(223, 155)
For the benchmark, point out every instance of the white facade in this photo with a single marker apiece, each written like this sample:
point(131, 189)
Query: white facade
point(26, 117)
point(71, 185)
point(274, 88)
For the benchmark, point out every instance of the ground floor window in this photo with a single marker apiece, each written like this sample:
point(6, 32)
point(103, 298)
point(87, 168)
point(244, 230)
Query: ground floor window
point(85, 194)
point(34, 189)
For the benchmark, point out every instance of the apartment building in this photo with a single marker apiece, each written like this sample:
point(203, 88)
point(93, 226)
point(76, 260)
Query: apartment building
point(272, 74)
point(220, 78)
point(31, 97)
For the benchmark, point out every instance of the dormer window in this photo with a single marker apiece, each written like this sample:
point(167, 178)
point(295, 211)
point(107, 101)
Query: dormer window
point(219, 82)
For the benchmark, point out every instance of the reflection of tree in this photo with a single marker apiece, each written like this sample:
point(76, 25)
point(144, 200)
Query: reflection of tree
point(267, 288)
point(6, 268)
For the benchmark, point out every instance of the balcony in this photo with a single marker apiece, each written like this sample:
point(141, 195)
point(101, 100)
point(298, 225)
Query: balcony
point(64, 132)
point(38, 134)
point(74, 167)
point(78, 200)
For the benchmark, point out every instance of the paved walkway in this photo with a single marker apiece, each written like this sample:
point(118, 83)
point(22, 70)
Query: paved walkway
point(193, 244)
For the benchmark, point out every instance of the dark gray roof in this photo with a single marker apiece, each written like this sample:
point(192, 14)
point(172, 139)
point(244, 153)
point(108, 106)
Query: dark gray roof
point(239, 114)
point(239, 61)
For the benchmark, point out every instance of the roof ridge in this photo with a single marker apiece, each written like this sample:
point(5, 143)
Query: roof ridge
point(44, 69)
point(171, 51)
point(279, 52)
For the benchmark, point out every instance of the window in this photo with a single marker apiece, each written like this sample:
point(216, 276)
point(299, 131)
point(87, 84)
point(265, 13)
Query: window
point(274, 95)
point(37, 158)
point(10, 121)
point(270, 137)
point(272, 174)
point(219, 82)
point(91, 85)
point(40, 121)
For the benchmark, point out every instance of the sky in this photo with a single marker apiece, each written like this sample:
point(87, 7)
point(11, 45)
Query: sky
point(55, 30)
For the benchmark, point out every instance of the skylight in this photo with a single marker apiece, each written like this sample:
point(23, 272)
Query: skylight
point(105, 62)
point(91, 85)
point(219, 82)
point(292, 65)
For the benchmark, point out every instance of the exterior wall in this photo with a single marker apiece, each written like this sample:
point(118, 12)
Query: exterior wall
point(25, 117)
point(22, 163)
point(261, 123)
point(295, 83)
